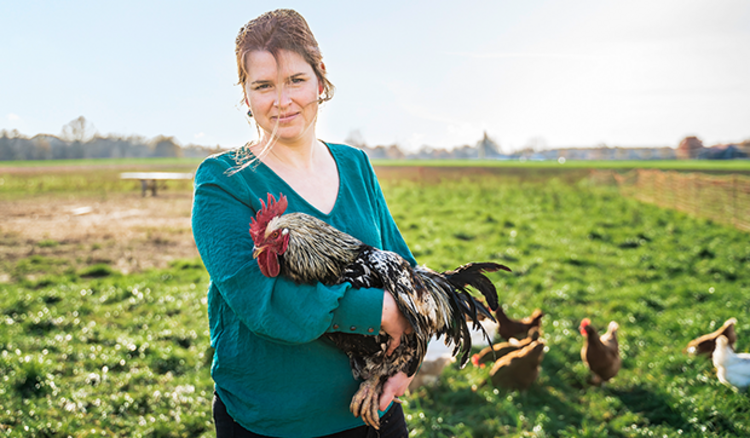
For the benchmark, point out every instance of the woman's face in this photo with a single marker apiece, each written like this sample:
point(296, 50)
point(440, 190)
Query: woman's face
point(282, 95)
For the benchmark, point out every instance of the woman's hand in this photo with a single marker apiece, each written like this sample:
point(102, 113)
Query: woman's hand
point(394, 323)
point(395, 386)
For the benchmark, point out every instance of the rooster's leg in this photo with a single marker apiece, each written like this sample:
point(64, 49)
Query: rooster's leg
point(365, 402)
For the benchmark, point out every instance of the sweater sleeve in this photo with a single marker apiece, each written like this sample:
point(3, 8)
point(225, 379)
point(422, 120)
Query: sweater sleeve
point(274, 308)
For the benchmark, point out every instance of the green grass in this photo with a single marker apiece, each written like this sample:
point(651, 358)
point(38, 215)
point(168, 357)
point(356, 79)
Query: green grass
point(86, 178)
point(101, 354)
point(89, 351)
point(581, 251)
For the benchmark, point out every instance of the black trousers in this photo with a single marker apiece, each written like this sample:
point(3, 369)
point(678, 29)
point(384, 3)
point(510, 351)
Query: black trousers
point(392, 425)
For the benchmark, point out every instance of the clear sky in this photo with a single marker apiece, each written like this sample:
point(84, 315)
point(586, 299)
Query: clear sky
point(438, 73)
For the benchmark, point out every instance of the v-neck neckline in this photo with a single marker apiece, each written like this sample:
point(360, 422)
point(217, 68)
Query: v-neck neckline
point(296, 194)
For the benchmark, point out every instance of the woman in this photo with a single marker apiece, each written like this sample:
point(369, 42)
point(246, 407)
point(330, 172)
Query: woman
point(274, 375)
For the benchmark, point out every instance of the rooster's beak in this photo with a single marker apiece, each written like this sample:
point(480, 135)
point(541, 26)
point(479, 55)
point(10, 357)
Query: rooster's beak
point(258, 251)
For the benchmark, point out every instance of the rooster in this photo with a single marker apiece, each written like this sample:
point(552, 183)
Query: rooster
point(600, 353)
point(308, 250)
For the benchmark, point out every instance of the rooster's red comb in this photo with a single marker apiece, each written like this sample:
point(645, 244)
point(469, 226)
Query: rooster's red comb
point(585, 322)
point(265, 214)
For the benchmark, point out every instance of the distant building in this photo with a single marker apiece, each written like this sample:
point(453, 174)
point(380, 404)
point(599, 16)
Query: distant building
point(722, 152)
point(487, 148)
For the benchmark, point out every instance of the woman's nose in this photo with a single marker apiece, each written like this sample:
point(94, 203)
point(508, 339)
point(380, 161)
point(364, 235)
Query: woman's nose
point(282, 99)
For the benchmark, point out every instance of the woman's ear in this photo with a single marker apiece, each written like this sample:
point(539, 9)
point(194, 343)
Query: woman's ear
point(320, 82)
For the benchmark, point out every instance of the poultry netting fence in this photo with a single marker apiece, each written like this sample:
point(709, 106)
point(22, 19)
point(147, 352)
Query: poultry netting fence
point(721, 198)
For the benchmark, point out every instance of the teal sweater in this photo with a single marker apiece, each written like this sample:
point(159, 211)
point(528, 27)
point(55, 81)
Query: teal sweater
point(271, 368)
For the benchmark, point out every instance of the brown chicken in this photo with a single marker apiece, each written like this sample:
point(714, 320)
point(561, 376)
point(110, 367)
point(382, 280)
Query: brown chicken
point(511, 328)
point(500, 349)
point(600, 353)
point(705, 344)
point(518, 369)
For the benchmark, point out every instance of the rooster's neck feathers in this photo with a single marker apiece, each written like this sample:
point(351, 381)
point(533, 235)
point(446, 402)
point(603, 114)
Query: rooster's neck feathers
point(317, 252)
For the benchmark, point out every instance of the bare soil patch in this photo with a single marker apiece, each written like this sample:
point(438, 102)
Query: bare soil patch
point(123, 230)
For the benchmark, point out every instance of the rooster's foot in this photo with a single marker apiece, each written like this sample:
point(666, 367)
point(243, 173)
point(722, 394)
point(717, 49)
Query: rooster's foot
point(365, 403)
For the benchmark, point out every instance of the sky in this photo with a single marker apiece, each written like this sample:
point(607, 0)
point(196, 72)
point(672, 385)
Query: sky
point(546, 74)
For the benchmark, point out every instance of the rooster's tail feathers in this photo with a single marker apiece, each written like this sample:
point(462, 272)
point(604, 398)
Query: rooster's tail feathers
point(472, 274)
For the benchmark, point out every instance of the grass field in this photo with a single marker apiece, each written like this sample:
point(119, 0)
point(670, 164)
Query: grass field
point(87, 351)
point(687, 165)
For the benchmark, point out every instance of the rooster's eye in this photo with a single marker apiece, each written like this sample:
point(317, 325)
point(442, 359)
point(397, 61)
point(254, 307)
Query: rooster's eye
point(275, 234)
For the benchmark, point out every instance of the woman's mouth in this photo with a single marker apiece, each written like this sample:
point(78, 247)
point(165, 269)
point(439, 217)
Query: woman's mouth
point(285, 118)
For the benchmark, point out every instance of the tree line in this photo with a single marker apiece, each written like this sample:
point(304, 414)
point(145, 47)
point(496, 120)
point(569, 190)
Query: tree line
point(78, 139)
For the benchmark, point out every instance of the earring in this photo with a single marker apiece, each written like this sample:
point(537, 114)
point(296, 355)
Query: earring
point(250, 113)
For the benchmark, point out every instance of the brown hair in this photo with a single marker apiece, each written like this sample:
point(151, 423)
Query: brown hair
point(282, 29)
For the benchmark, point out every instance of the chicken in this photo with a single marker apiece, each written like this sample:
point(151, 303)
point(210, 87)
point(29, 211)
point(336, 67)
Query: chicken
point(307, 250)
point(498, 350)
point(511, 328)
point(600, 353)
point(518, 369)
point(731, 368)
point(705, 344)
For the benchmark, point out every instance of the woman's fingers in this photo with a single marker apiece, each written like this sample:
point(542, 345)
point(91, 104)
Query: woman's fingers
point(393, 322)
point(395, 386)
point(393, 343)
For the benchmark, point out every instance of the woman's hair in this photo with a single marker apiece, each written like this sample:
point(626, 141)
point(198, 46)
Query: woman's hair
point(282, 29)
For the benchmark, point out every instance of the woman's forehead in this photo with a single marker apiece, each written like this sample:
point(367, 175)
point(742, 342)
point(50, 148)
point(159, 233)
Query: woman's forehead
point(261, 63)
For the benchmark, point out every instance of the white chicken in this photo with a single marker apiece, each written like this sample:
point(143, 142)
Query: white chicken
point(731, 368)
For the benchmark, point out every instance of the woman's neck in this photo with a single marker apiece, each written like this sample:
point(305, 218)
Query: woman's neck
point(309, 169)
point(300, 155)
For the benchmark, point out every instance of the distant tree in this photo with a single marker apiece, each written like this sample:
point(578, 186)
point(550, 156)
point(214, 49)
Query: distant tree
point(166, 147)
point(7, 149)
point(394, 152)
point(527, 152)
point(42, 148)
point(355, 139)
point(78, 130)
point(13, 133)
point(689, 147)
point(745, 146)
